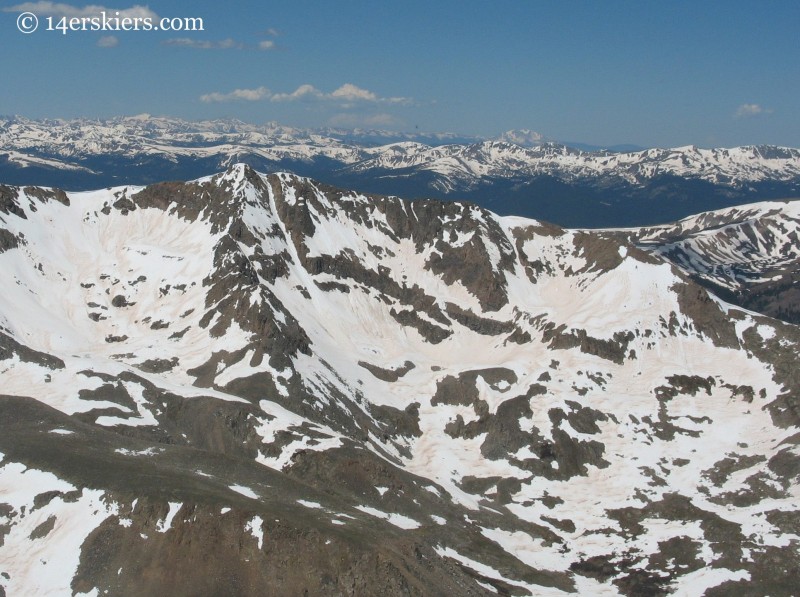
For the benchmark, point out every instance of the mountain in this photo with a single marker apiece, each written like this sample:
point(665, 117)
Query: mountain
point(523, 138)
point(621, 148)
point(749, 255)
point(259, 384)
point(521, 173)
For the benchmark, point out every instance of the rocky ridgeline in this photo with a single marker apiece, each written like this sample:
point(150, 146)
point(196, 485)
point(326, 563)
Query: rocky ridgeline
point(260, 384)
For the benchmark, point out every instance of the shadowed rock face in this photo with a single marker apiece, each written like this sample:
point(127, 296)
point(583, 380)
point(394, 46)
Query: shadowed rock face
point(262, 385)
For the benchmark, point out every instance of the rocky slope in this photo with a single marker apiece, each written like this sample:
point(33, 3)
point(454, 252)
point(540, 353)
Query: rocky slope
point(259, 384)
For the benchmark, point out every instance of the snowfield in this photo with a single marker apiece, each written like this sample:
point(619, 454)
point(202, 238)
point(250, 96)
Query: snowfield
point(196, 369)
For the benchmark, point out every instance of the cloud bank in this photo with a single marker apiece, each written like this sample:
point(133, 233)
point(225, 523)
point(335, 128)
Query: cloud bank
point(346, 95)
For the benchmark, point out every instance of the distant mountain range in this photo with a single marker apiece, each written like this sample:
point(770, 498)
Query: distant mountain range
point(519, 173)
point(254, 384)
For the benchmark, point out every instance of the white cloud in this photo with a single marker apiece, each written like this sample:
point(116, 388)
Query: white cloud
point(346, 96)
point(203, 44)
point(353, 93)
point(304, 91)
point(750, 110)
point(108, 41)
point(59, 9)
point(225, 44)
point(350, 92)
point(272, 31)
point(248, 95)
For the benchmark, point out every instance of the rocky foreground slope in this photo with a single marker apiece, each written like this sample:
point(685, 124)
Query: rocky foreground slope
point(260, 385)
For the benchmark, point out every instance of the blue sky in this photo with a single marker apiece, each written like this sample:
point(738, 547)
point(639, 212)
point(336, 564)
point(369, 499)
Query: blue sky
point(648, 73)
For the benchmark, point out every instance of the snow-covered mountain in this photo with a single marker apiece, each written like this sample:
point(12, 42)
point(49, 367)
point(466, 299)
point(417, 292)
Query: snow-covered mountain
point(259, 384)
point(523, 138)
point(750, 255)
point(519, 173)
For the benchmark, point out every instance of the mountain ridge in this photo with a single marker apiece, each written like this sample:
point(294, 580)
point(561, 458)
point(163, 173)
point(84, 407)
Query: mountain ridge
point(405, 397)
point(543, 180)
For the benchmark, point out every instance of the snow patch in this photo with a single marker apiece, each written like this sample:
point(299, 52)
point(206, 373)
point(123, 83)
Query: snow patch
point(164, 525)
point(245, 491)
point(309, 504)
point(255, 527)
point(398, 520)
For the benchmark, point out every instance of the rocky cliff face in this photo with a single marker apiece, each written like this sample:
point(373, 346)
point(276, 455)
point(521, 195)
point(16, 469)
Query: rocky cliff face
point(253, 384)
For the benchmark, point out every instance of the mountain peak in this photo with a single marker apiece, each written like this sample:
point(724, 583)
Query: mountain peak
point(239, 171)
point(300, 386)
point(522, 137)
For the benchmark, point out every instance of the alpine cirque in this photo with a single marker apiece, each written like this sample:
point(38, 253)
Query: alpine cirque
point(261, 384)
